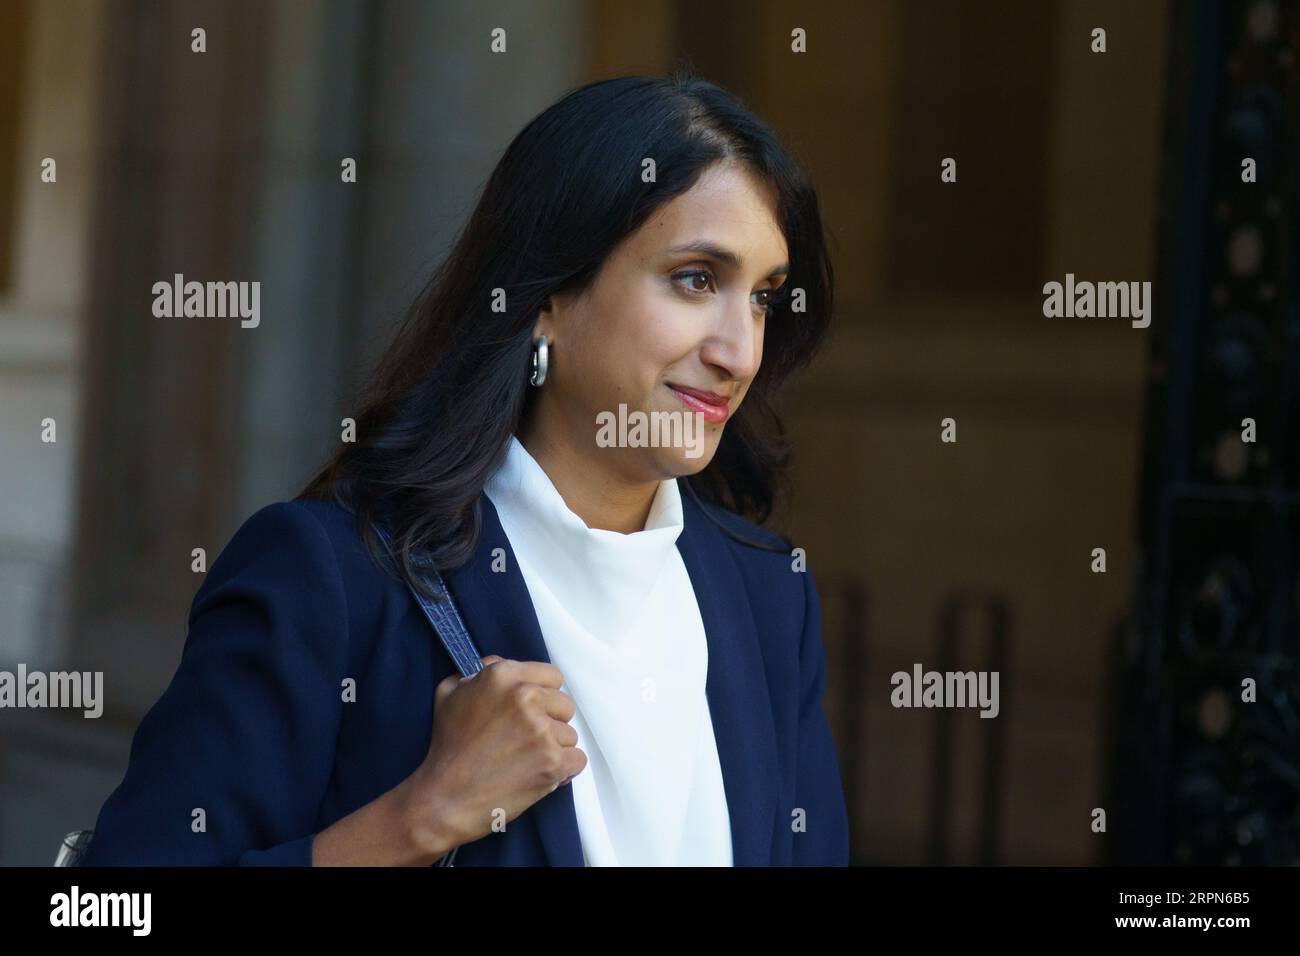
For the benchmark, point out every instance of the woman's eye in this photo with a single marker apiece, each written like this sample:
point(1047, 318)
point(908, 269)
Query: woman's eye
point(698, 283)
point(773, 298)
point(691, 276)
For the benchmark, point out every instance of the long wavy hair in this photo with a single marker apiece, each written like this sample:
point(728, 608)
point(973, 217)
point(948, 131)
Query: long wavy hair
point(437, 412)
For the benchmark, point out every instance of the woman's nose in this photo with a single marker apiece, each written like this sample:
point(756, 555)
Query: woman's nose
point(735, 343)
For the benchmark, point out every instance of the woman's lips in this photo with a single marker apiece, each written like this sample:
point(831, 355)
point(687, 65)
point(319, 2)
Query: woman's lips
point(715, 408)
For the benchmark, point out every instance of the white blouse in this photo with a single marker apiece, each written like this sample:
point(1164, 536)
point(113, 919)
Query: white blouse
point(620, 621)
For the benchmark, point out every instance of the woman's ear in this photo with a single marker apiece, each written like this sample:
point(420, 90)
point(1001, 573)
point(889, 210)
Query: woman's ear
point(545, 322)
point(541, 324)
point(557, 310)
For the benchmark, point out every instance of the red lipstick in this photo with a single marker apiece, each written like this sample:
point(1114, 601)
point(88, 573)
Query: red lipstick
point(714, 407)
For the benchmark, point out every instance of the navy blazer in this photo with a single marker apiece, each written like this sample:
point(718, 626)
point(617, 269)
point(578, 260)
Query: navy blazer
point(254, 729)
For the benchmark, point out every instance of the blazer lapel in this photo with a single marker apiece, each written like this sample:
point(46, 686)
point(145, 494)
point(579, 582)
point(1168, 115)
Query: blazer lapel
point(499, 612)
point(736, 687)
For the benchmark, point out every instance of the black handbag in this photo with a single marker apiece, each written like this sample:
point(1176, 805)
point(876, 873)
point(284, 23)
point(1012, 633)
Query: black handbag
point(446, 622)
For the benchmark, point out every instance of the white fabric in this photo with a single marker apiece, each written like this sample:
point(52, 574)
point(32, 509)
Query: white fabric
point(620, 621)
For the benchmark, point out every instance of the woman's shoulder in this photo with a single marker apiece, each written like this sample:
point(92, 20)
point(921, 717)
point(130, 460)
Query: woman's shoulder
point(304, 557)
point(775, 571)
point(297, 538)
point(296, 524)
point(309, 521)
point(754, 537)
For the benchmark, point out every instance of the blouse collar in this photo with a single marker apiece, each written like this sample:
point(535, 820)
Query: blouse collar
point(603, 577)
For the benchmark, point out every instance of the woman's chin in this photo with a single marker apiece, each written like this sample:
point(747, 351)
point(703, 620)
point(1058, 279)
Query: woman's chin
point(681, 462)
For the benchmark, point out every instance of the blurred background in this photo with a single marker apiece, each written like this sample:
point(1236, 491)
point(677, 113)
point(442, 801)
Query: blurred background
point(1119, 690)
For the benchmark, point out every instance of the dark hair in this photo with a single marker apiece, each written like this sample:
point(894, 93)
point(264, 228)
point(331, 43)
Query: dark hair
point(437, 414)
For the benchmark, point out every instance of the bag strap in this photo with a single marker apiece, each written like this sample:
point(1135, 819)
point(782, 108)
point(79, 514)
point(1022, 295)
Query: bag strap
point(442, 614)
point(446, 622)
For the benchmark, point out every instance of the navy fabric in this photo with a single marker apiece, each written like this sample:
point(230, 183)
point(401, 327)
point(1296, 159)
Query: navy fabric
point(254, 731)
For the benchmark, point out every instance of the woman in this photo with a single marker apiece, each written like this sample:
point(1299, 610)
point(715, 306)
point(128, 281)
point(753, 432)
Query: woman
point(654, 673)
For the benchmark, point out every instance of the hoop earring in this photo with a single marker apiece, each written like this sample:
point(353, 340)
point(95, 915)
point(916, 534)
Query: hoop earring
point(541, 355)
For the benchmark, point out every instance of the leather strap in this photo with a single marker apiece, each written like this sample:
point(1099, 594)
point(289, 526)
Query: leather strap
point(442, 614)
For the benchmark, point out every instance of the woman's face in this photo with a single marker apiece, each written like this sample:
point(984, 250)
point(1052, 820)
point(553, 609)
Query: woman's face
point(677, 310)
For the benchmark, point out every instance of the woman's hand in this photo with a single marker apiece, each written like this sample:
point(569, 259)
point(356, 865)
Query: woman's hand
point(501, 741)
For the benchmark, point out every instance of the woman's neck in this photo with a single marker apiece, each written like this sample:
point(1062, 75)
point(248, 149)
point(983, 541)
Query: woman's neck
point(590, 487)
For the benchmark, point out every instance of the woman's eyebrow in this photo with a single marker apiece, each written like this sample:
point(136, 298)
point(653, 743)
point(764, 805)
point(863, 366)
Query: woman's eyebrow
point(715, 251)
